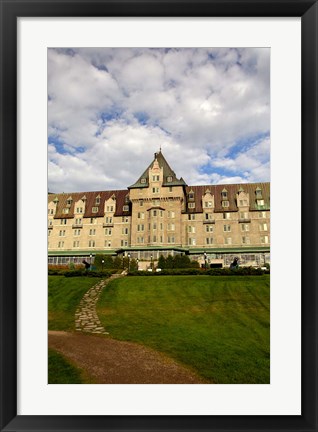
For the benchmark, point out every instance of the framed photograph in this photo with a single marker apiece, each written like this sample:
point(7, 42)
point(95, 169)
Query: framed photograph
point(43, 89)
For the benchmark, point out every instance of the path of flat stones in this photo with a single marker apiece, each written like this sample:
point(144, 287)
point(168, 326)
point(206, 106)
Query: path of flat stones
point(86, 319)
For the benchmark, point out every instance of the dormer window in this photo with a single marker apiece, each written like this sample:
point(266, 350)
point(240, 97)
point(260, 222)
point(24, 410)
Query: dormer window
point(95, 210)
point(191, 205)
point(126, 208)
point(155, 178)
point(56, 200)
point(65, 210)
point(143, 180)
point(126, 199)
point(169, 179)
point(191, 195)
point(224, 194)
point(258, 193)
point(97, 200)
point(225, 203)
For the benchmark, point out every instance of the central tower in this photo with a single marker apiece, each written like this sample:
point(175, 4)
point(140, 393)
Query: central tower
point(157, 200)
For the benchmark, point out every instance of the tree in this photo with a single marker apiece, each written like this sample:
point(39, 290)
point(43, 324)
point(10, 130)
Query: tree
point(162, 262)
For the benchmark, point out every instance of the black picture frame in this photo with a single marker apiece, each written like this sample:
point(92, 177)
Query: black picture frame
point(10, 11)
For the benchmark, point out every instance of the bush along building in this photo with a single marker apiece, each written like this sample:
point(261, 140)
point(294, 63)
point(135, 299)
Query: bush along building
point(161, 215)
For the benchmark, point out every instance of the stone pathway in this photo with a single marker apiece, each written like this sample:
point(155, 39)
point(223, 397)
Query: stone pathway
point(86, 319)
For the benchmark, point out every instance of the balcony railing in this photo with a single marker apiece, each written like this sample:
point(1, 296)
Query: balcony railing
point(244, 220)
point(77, 226)
point(108, 224)
point(209, 221)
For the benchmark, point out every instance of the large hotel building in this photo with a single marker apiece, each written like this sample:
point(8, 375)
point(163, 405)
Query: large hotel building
point(160, 215)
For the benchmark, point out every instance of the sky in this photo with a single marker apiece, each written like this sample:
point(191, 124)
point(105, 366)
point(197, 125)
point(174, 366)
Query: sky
point(110, 110)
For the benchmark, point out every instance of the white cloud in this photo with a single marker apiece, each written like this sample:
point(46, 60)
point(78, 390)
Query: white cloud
point(196, 103)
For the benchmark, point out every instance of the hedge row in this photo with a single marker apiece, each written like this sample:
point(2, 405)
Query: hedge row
point(242, 271)
point(77, 273)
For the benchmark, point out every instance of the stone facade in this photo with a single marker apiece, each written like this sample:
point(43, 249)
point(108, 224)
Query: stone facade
point(161, 214)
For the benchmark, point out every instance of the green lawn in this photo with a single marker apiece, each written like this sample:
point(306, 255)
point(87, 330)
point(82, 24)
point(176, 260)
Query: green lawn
point(218, 326)
point(64, 295)
point(61, 371)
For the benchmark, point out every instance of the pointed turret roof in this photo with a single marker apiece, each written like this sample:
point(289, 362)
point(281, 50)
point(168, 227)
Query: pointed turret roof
point(168, 174)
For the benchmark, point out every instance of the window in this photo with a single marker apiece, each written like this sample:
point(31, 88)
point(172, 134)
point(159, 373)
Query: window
point(224, 194)
point(108, 231)
point(208, 204)
point(155, 178)
point(208, 216)
point(154, 226)
point(140, 240)
point(124, 219)
point(154, 212)
point(258, 193)
point(171, 214)
point(243, 215)
point(78, 221)
point(91, 243)
point(97, 200)
point(191, 205)
point(65, 210)
point(225, 204)
point(171, 227)
point(124, 242)
point(93, 220)
point(48, 232)
point(264, 239)
point(263, 227)
point(260, 202)
point(109, 219)
point(155, 202)
point(171, 239)
point(262, 215)
point(191, 242)
point(140, 227)
point(141, 203)
point(50, 222)
point(79, 210)
point(169, 180)
point(143, 180)
point(245, 240)
point(161, 239)
point(170, 188)
point(226, 228)
point(155, 190)
point(154, 239)
point(226, 215)
point(161, 213)
point(107, 243)
point(191, 195)
point(209, 240)
point(209, 228)
point(69, 201)
point(161, 227)
point(77, 232)
point(141, 215)
point(228, 241)
point(92, 231)
point(243, 203)
point(62, 233)
point(110, 208)
point(191, 229)
point(126, 208)
point(245, 227)
point(124, 231)
point(191, 216)
point(76, 244)
point(60, 244)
